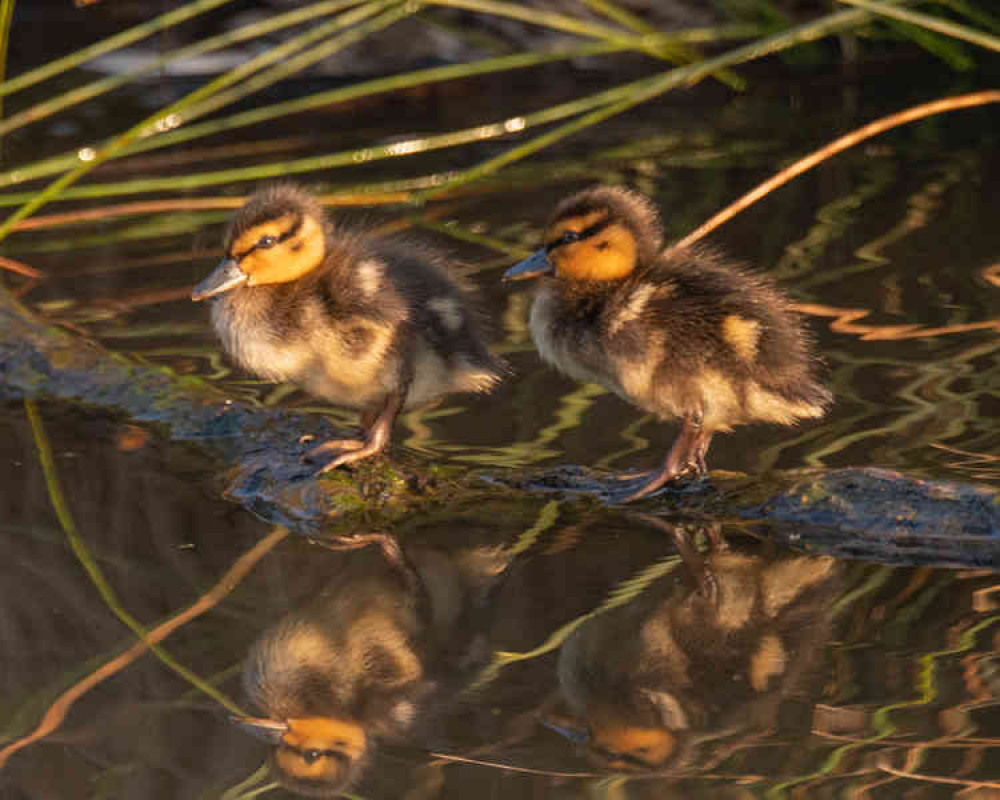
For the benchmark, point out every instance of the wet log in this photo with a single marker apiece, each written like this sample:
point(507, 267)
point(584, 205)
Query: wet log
point(856, 513)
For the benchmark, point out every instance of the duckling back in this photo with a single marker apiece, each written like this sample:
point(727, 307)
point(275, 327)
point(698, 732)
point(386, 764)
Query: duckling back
point(695, 333)
point(444, 326)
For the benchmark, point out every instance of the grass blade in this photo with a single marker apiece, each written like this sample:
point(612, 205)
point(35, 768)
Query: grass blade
point(370, 88)
point(61, 102)
point(6, 15)
point(90, 566)
point(930, 22)
point(143, 31)
point(162, 120)
point(632, 94)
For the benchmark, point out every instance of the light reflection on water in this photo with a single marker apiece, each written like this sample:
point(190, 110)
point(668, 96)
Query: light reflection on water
point(530, 648)
point(730, 672)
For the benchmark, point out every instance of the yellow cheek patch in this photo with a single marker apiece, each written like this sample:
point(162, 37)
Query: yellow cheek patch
point(575, 224)
point(326, 733)
point(320, 734)
point(289, 259)
point(273, 227)
point(652, 746)
point(742, 335)
point(606, 256)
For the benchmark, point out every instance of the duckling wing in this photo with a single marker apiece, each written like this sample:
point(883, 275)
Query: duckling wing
point(349, 327)
point(696, 334)
point(444, 326)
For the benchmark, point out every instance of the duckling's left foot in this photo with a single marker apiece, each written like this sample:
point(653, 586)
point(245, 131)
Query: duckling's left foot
point(375, 438)
point(687, 453)
point(333, 446)
point(367, 449)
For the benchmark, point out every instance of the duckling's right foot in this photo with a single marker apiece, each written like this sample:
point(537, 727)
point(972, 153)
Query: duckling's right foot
point(333, 447)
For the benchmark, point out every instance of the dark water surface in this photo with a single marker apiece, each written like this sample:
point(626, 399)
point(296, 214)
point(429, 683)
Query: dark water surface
point(557, 649)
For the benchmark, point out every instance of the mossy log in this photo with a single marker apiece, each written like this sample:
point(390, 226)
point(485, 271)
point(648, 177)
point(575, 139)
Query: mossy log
point(858, 512)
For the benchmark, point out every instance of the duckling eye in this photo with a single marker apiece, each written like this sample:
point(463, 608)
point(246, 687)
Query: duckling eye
point(567, 238)
point(267, 241)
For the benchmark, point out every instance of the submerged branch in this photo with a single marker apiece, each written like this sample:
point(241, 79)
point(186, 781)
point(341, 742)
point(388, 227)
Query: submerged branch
point(855, 513)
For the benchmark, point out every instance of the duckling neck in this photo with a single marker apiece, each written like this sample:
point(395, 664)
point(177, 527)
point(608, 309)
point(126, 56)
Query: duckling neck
point(588, 293)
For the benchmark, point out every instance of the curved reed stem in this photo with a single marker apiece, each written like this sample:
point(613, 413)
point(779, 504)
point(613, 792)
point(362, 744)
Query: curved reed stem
point(837, 146)
point(952, 29)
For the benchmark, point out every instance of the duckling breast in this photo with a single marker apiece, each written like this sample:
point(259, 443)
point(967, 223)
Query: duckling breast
point(249, 335)
point(569, 342)
point(349, 361)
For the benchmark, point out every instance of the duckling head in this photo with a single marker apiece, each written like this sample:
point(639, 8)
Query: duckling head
point(648, 733)
point(312, 756)
point(597, 236)
point(278, 236)
point(619, 745)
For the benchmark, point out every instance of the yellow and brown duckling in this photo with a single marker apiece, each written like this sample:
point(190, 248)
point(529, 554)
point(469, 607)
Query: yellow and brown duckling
point(681, 333)
point(365, 322)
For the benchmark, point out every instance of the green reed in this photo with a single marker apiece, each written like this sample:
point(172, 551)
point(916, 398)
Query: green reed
point(93, 570)
point(353, 22)
point(6, 17)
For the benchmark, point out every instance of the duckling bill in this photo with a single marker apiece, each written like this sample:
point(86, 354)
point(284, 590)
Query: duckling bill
point(679, 332)
point(365, 322)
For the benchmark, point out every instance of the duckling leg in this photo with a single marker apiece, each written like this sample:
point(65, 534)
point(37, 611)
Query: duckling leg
point(692, 558)
point(376, 437)
point(701, 450)
point(687, 452)
point(368, 418)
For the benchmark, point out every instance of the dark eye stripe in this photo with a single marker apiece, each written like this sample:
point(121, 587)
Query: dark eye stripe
point(574, 236)
point(273, 240)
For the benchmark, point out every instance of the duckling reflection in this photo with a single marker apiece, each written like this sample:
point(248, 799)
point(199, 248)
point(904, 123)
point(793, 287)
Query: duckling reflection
point(360, 662)
point(684, 664)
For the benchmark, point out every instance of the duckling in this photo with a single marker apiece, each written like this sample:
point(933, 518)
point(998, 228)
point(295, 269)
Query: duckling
point(370, 323)
point(682, 333)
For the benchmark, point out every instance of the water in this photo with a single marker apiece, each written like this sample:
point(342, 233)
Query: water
point(738, 669)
